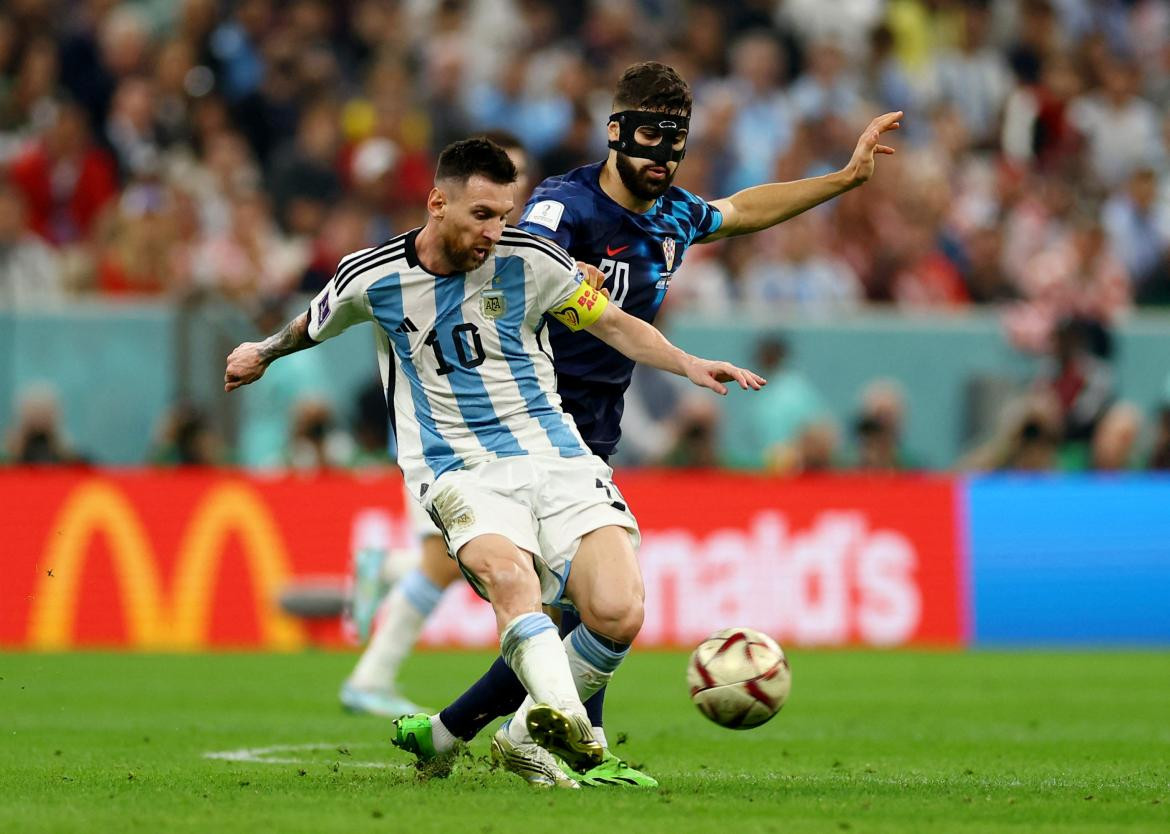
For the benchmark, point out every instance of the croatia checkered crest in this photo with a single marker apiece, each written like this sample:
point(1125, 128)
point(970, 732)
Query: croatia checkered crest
point(739, 678)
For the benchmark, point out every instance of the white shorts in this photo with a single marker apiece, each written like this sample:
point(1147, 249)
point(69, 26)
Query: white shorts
point(420, 519)
point(543, 505)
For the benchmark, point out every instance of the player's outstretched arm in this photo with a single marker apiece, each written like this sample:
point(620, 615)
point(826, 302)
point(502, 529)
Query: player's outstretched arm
point(763, 206)
point(248, 362)
point(643, 343)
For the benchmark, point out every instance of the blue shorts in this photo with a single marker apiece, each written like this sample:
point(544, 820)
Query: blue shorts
point(596, 407)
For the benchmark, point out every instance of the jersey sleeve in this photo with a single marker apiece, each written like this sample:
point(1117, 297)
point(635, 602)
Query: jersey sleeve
point(565, 295)
point(340, 304)
point(705, 218)
point(549, 214)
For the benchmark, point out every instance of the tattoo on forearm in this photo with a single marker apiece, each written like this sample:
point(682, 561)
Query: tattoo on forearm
point(293, 337)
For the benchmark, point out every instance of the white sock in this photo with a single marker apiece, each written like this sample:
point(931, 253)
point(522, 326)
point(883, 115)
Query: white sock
point(440, 736)
point(592, 664)
point(599, 734)
point(533, 651)
point(405, 611)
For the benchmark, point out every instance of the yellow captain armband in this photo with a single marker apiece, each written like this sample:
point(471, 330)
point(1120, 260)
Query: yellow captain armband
point(581, 309)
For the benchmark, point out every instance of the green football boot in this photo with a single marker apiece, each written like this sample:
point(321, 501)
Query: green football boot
point(412, 733)
point(613, 771)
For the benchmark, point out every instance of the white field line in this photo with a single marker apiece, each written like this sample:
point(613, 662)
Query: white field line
point(277, 754)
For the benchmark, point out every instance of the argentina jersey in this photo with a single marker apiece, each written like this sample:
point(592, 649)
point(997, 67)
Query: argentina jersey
point(458, 353)
point(639, 253)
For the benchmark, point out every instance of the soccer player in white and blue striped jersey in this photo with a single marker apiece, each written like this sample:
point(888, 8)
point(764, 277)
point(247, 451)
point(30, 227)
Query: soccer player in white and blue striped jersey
point(484, 445)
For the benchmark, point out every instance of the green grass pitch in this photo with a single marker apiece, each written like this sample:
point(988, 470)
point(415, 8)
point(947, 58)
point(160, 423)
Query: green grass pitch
point(869, 742)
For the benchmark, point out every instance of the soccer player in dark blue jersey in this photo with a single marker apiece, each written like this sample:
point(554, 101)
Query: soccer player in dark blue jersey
point(624, 217)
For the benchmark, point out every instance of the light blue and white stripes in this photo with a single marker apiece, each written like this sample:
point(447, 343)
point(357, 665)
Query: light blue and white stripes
point(420, 592)
point(593, 652)
point(524, 627)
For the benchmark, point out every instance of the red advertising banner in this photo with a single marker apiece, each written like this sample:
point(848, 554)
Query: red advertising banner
point(196, 559)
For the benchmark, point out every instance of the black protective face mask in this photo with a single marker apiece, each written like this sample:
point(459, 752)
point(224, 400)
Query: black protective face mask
point(669, 126)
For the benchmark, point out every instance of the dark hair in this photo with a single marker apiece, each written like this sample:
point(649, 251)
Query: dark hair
point(650, 85)
point(467, 158)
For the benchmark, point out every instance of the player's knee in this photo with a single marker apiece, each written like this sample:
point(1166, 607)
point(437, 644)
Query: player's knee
point(501, 573)
point(616, 616)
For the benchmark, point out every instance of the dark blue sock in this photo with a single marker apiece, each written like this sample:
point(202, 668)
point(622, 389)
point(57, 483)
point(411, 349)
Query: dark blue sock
point(496, 694)
point(595, 706)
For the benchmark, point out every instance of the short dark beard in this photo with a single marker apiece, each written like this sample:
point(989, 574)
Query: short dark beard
point(636, 184)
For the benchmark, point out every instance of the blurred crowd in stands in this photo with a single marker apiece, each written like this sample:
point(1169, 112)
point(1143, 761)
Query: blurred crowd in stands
point(236, 149)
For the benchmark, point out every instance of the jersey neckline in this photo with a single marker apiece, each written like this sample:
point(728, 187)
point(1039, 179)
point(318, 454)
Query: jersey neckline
point(412, 256)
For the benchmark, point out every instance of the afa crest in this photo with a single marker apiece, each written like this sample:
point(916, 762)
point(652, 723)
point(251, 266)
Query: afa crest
point(493, 304)
point(668, 253)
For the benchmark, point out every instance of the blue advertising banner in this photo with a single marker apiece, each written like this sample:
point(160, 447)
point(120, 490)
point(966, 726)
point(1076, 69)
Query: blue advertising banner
point(1069, 560)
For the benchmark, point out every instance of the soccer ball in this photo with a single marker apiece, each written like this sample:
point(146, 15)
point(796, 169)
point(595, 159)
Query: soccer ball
point(739, 678)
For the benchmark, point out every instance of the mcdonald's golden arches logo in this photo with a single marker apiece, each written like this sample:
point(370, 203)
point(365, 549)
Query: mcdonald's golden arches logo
point(155, 619)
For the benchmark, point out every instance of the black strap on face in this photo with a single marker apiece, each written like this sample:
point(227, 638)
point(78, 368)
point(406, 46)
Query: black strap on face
point(668, 125)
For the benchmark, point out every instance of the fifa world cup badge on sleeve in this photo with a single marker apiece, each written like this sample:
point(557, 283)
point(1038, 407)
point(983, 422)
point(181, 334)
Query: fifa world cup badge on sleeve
point(668, 253)
point(546, 213)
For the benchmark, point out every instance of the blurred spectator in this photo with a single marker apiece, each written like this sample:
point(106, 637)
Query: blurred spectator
point(509, 102)
point(1160, 453)
point(761, 123)
point(1037, 124)
point(28, 98)
point(252, 259)
point(973, 76)
point(304, 177)
point(789, 420)
point(795, 269)
point(985, 279)
point(1027, 439)
point(143, 254)
point(1078, 277)
point(827, 88)
point(105, 43)
point(695, 436)
point(65, 177)
point(29, 274)
point(344, 231)
point(130, 128)
point(1079, 382)
point(1114, 443)
point(878, 428)
point(371, 428)
point(316, 441)
point(1137, 230)
point(185, 438)
point(665, 424)
point(226, 168)
point(266, 410)
point(1121, 128)
point(38, 438)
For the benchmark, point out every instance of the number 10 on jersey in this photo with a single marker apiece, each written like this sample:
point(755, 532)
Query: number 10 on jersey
point(619, 272)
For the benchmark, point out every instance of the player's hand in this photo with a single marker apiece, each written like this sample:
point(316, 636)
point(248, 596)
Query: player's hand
point(708, 373)
point(594, 277)
point(244, 365)
point(861, 165)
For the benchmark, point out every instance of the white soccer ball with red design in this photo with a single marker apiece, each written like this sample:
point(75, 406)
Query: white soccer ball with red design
point(739, 678)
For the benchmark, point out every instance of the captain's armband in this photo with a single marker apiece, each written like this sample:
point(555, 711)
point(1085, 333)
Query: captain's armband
point(581, 309)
